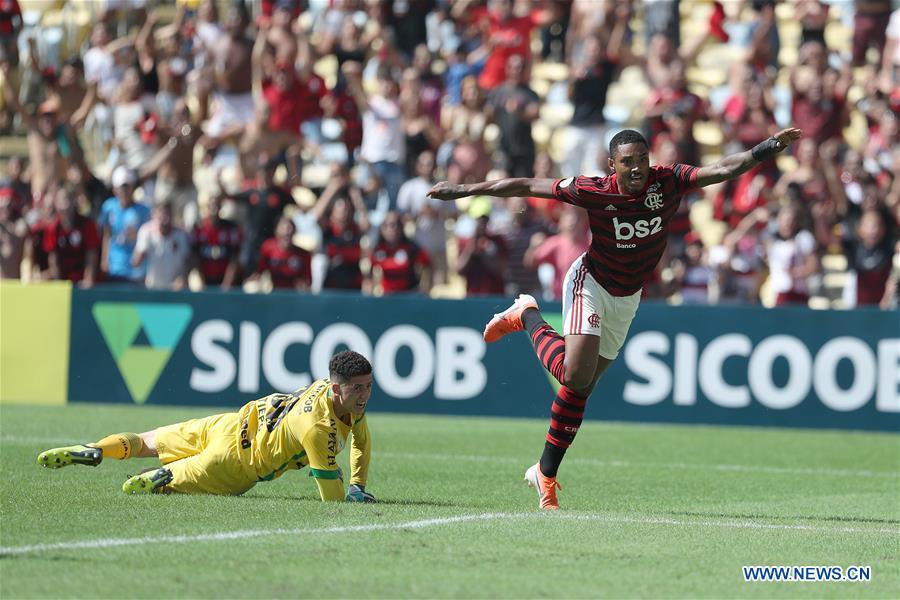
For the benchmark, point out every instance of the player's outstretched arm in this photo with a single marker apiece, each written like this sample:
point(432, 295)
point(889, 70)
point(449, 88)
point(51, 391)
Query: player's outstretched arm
point(503, 188)
point(731, 166)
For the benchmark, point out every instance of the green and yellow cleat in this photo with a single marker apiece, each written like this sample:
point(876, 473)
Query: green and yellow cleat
point(151, 481)
point(56, 458)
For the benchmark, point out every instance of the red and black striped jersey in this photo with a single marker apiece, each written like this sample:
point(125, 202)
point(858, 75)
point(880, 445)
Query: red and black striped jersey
point(628, 233)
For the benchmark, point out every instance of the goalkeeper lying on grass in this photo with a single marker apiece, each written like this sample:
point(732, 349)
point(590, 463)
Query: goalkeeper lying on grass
point(229, 453)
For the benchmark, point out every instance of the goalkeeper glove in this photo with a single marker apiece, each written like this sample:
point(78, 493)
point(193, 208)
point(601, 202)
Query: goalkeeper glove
point(358, 493)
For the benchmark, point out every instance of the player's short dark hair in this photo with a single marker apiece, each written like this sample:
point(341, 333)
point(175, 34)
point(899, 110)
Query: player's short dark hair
point(348, 364)
point(626, 136)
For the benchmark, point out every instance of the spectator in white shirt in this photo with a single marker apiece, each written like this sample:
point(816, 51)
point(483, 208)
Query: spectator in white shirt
point(792, 259)
point(427, 214)
point(166, 249)
point(383, 143)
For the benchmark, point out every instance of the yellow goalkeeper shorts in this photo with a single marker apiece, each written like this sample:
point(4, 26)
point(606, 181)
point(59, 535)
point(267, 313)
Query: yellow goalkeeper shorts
point(204, 456)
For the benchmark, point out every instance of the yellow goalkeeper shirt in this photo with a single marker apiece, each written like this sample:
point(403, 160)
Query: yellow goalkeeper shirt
point(282, 432)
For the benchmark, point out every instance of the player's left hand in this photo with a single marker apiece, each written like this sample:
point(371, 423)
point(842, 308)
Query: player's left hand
point(788, 136)
point(358, 493)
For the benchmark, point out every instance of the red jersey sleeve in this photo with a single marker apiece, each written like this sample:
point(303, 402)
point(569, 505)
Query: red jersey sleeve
point(582, 191)
point(685, 177)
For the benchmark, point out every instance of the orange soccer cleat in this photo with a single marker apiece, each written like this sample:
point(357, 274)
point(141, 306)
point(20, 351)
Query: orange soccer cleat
point(545, 486)
point(509, 320)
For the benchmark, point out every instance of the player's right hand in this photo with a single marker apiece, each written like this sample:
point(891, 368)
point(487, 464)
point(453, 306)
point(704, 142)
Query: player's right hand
point(444, 190)
point(358, 493)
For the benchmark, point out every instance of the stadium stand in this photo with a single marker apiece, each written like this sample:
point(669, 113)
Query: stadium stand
point(342, 113)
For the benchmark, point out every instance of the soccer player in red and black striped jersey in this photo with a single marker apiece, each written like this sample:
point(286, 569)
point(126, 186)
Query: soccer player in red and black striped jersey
point(629, 213)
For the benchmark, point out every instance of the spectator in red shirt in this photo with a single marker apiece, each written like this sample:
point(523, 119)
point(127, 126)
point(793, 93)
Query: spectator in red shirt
point(819, 95)
point(398, 263)
point(506, 35)
point(71, 242)
point(482, 261)
point(293, 97)
point(749, 117)
point(217, 246)
point(562, 249)
point(288, 265)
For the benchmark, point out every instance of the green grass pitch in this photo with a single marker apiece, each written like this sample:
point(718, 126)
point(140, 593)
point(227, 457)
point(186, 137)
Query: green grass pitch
point(648, 511)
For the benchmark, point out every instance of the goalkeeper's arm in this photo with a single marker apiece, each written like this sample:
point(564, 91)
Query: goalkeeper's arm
point(360, 455)
point(323, 464)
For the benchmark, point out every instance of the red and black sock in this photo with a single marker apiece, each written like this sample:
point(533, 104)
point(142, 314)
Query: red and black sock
point(566, 415)
point(549, 345)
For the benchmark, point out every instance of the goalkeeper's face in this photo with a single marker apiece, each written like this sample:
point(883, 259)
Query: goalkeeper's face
point(353, 395)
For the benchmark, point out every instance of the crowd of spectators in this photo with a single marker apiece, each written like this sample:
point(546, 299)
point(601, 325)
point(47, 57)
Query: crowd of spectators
point(290, 143)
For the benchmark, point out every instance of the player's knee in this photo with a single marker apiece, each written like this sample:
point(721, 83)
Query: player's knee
point(578, 377)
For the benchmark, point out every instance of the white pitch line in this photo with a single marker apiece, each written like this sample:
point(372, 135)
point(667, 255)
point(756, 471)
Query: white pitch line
point(243, 534)
point(654, 465)
point(103, 543)
point(49, 441)
point(727, 524)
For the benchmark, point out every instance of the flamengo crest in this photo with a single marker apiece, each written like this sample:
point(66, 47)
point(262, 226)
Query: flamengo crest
point(654, 200)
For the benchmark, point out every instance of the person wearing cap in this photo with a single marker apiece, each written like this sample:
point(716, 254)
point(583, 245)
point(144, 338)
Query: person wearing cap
point(120, 219)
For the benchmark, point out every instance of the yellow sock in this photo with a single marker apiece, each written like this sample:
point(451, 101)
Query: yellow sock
point(120, 445)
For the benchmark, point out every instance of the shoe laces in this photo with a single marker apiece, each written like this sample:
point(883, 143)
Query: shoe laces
point(549, 485)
